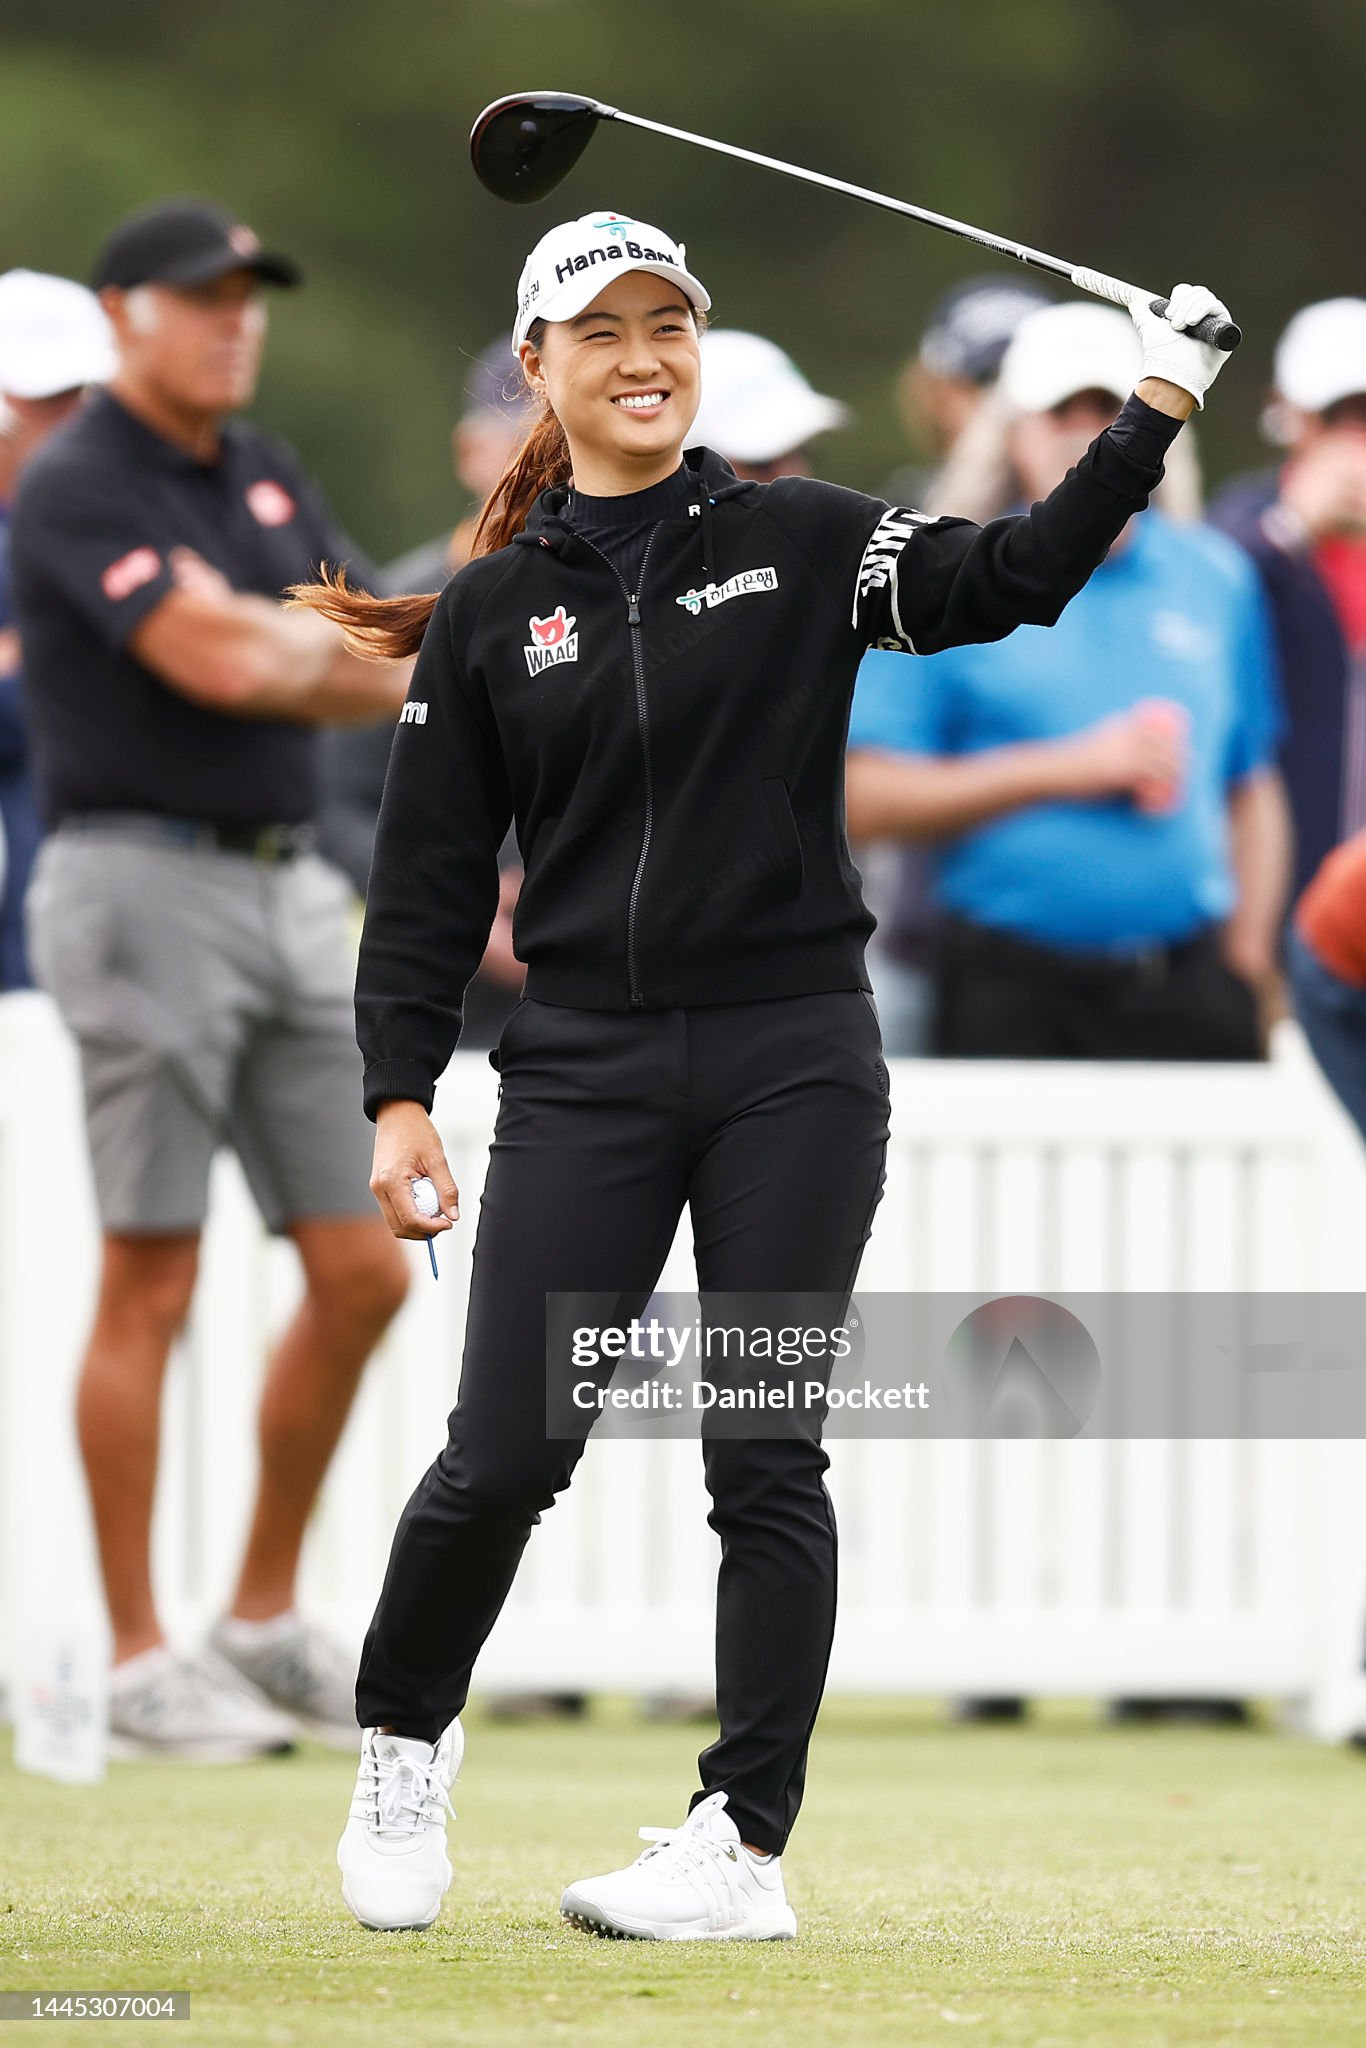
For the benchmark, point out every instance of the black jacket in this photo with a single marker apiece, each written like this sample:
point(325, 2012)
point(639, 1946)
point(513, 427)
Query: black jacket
point(674, 758)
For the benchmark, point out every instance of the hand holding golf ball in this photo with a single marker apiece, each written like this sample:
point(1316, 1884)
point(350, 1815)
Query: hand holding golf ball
point(409, 1154)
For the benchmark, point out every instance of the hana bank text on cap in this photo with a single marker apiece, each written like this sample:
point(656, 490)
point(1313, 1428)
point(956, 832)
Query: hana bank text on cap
point(569, 267)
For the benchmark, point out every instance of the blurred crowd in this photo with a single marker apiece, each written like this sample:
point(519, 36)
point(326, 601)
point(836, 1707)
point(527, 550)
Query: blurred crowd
point(1137, 835)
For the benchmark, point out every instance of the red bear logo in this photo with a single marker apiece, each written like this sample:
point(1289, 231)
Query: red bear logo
point(549, 632)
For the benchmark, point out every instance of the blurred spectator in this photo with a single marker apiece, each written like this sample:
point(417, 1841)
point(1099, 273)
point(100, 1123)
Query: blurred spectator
point(1326, 962)
point(1304, 525)
point(54, 340)
point(483, 441)
point(193, 941)
point(757, 408)
point(1325, 957)
point(942, 387)
point(948, 402)
point(1111, 888)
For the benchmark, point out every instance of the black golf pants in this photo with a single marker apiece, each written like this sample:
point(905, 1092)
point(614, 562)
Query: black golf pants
point(769, 1119)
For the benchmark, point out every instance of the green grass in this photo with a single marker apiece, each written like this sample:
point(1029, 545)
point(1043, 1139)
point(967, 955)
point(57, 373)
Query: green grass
point(1057, 1884)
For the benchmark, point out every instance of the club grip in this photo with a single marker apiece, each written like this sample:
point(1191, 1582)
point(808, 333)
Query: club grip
point(1222, 334)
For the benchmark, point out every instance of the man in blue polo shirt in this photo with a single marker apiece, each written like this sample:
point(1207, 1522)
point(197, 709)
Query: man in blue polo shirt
point(1111, 834)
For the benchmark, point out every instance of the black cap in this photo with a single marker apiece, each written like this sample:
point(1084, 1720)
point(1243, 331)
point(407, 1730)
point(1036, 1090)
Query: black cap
point(970, 328)
point(185, 241)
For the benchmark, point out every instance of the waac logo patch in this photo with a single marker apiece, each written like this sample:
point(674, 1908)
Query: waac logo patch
point(553, 640)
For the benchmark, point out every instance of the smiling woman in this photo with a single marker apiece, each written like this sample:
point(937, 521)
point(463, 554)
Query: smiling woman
point(619, 384)
point(613, 359)
point(649, 668)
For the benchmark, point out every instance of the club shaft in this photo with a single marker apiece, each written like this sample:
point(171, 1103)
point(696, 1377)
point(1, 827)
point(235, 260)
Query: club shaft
point(1003, 247)
point(1094, 281)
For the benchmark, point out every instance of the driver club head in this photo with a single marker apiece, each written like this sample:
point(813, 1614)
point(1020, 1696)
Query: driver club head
point(522, 146)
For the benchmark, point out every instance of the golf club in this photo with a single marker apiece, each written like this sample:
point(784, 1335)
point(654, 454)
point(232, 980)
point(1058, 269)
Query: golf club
point(522, 146)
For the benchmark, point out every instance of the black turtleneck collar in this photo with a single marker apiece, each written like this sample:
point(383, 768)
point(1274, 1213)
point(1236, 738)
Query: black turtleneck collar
point(620, 527)
point(591, 515)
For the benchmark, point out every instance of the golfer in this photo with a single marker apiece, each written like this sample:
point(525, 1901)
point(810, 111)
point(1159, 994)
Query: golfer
point(648, 666)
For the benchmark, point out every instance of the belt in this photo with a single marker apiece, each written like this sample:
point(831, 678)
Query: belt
point(1147, 963)
point(272, 844)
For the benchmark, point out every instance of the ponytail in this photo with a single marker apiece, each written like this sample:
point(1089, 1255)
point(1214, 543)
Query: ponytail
point(540, 462)
point(373, 628)
point(391, 628)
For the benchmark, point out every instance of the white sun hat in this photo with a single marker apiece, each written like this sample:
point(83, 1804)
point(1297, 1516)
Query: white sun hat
point(1321, 357)
point(569, 267)
point(1061, 350)
point(53, 336)
point(756, 404)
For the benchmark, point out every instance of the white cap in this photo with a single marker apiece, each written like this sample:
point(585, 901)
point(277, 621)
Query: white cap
point(53, 336)
point(756, 404)
point(1062, 350)
point(569, 267)
point(1321, 357)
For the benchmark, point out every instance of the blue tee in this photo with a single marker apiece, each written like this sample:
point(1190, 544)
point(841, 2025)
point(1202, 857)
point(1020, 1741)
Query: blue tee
point(1174, 612)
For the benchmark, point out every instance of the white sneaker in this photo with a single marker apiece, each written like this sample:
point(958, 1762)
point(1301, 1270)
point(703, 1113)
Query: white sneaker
point(299, 1669)
point(164, 1705)
point(698, 1883)
point(392, 1854)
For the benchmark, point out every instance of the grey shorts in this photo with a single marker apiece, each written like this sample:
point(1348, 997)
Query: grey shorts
point(210, 995)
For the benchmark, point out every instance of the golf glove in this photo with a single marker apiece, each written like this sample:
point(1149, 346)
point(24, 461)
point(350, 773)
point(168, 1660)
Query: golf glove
point(1168, 351)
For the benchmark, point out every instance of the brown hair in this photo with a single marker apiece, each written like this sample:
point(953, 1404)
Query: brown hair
point(390, 628)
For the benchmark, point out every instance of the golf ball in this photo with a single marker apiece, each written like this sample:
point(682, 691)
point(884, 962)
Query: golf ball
point(425, 1198)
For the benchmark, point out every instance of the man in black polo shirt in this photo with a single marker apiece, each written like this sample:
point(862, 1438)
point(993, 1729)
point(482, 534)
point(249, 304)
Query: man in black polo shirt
point(195, 943)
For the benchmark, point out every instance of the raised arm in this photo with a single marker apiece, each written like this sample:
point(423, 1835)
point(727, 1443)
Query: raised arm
point(923, 584)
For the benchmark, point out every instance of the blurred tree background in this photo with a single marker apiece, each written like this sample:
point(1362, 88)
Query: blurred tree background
point(1162, 140)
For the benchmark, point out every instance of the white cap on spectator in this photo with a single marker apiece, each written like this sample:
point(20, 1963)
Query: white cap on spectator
point(53, 336)
point(1062, 350)
point(756, 404)
point(1321, 357)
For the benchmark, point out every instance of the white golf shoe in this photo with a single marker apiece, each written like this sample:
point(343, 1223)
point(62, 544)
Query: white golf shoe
point(697, 1883)
point(392, 1854)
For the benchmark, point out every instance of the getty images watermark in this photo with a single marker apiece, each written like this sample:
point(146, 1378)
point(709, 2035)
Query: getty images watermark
point(776, 1364)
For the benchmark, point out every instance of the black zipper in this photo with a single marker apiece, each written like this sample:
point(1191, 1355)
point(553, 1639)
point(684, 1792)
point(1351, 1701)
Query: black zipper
point(643, 723)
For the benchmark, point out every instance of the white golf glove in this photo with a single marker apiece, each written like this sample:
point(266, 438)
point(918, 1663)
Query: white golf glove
point(1168, 351)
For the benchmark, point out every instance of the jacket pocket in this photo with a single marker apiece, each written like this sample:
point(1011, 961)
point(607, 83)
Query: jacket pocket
point(784, 825)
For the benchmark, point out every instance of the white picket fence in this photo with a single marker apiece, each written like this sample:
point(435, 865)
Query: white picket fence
point(1094, 1568)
